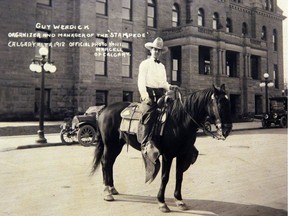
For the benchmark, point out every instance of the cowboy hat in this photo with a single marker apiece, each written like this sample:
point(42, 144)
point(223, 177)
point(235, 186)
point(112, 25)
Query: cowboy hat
point(158, 44)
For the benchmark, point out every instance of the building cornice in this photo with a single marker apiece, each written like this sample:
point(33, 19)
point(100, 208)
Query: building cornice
point(256, 10)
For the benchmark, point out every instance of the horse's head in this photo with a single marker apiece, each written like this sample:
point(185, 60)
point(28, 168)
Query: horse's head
point(220, 113)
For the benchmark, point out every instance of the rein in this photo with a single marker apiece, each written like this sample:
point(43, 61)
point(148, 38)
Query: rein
point(215, 110)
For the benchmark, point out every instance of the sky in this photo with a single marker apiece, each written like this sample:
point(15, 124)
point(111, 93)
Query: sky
point(283, 4)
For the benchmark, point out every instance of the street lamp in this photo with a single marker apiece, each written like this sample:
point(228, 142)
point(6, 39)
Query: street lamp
point(267, 84)
point(38, 66)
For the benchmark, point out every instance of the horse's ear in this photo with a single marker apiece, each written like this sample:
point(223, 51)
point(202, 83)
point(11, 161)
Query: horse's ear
point(216, 89)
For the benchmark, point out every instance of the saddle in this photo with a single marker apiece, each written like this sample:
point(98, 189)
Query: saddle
point(137, 115)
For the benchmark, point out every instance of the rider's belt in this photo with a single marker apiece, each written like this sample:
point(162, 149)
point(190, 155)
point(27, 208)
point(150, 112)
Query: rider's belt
point(155, 93)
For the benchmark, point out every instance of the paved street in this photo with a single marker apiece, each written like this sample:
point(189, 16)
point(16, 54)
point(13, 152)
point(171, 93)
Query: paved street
point(244, 175)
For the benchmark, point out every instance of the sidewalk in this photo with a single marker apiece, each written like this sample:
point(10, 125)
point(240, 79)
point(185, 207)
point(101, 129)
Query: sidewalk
point(27, 128)
point(22, 135)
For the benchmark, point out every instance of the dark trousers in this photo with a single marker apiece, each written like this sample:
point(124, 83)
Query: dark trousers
point(150, 117)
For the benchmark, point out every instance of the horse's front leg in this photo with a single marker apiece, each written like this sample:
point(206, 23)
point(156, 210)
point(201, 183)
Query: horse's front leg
point(166, 165)
point(181, 166)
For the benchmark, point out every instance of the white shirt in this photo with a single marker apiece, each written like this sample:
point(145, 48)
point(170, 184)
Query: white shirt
point(153, 75)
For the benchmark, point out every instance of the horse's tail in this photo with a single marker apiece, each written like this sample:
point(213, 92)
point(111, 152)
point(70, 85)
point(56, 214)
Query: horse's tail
point(98, 152)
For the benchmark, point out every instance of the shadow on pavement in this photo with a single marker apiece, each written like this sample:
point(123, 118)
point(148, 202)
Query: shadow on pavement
point(32, 146)
point(207, 207)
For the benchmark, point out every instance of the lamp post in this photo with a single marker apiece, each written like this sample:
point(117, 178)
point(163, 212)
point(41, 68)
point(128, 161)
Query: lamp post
point(267, 84)
point(38, 66)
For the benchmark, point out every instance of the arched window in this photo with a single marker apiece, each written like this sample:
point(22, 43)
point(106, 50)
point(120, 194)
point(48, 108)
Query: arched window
point(244, 29)
point(264, 33)
point(228, 25)
point(274, 39)
point(201, 17)
point(175, 15)
point(215, 21)
point(151, 13)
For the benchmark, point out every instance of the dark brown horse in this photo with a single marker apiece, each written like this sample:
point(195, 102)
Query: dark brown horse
point(184, 117)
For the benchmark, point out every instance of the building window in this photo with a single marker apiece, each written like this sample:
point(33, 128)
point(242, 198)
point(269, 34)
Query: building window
point(276, 76)
point(201, 17)
point(127, 96)
point(204, 60)
point(101, 57)
point(101, 7)
point(215, 21)
point(274, 39)
point(175, 15)
point(269, 5)
point(176, 65)
point(44, 2)
point(228, 25)
point(232, 64)
point(255, 67)
point(46, 101)
point(126, 10)
point(244, 29)
point(264, 33)
point(101, 97)
point(44, 39)
point(151, 13)
point(126, 59)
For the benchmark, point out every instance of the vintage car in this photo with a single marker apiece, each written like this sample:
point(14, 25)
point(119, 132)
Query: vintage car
point(81, 128)
point(277, 114)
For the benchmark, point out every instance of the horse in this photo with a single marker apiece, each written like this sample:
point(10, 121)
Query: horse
point(184, 117)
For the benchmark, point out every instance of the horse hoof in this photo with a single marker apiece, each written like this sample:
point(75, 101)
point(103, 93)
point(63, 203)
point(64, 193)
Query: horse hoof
point(109, 198)
point(181, 205)
point(114, 191)
point(164, 208)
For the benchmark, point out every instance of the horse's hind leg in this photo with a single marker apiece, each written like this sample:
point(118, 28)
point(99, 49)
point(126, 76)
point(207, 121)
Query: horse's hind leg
point(108, 160)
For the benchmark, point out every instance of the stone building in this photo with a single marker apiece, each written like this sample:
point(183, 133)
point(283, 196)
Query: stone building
point(97, 46)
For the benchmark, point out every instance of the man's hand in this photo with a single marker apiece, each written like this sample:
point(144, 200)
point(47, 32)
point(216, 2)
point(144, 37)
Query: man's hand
point(146, 99)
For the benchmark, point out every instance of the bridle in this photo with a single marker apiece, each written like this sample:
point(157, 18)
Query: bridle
point(217, 123)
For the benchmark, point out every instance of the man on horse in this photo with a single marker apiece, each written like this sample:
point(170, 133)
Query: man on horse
point(152, 85)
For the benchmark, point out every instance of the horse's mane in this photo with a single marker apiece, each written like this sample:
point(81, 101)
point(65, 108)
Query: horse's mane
point(194, 104)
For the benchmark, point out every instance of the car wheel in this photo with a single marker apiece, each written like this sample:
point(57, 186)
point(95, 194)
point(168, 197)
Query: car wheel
point(66, 138)
point(283, 122)
point(86, 135)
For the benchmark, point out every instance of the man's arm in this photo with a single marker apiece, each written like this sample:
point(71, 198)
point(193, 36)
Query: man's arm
point(142, 82)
